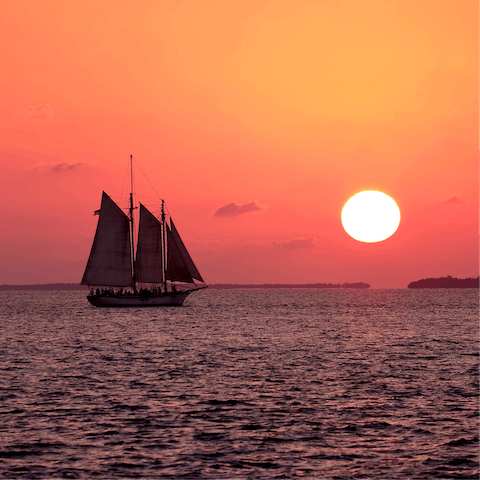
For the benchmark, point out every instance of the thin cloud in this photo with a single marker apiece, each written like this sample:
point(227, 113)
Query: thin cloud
point(454, 199)
point(235, 210)
point(297, 244)
point(58, 167)
point(39, 113)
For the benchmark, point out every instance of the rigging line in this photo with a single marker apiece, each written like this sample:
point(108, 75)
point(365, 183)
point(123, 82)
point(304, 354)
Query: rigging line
point(124, 180)
point(134, 190)
point(146, 196)
point(167, 212)
point(136, 163)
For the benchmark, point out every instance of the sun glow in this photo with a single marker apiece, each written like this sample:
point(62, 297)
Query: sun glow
point(370, 216)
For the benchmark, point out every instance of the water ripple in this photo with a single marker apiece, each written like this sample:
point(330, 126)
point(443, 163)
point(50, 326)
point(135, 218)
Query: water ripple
point(247, 384)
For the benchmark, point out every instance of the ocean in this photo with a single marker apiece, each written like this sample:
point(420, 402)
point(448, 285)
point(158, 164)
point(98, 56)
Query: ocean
point(377, 384)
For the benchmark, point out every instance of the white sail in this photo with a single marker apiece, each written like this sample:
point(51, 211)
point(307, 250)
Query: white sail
point(184, 254)
point(149, 264)
point(109, 263)
point(177, 270)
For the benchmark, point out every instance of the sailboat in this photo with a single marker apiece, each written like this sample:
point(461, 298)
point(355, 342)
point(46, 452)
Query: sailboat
point(159, 273)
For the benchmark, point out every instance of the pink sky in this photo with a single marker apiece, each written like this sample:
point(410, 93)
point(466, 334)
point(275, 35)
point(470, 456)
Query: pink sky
point(283, 109)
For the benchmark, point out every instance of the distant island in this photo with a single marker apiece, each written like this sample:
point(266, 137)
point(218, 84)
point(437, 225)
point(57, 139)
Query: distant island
point(217, 286)
point(224, 286)
point(445, 282)
point(46, 286)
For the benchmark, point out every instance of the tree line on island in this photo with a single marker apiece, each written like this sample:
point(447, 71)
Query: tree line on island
point(46, 286)
point(446, 282)
point(442, 282)
point(222, 286)
point(217, 286)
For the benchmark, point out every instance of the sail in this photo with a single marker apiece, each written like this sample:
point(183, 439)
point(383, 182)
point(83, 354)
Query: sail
point(177, 270)
point(149, 264)
point(109, 263)
point(185, 255)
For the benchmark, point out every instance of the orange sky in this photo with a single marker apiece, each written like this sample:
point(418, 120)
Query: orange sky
point(293, 105)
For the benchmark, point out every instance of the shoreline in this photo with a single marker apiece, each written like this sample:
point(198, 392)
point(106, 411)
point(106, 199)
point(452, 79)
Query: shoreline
point(430, 283)
point(215, 286)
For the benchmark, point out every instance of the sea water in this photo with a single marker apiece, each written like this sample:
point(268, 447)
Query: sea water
point(241, 384)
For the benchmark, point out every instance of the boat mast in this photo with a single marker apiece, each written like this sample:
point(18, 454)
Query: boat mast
point(132, 245)
point(164, 246)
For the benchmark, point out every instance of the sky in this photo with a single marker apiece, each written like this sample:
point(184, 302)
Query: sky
point(255, 120)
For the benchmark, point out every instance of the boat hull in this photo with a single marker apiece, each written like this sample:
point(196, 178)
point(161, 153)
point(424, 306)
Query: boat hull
point(170, 300)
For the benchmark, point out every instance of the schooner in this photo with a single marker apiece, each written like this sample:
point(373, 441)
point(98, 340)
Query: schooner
point(161, 265)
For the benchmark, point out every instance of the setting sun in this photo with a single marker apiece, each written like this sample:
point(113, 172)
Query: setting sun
point(256, 121)
point(370, 216)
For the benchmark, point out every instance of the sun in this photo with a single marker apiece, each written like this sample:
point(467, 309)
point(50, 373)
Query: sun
point(370, 216)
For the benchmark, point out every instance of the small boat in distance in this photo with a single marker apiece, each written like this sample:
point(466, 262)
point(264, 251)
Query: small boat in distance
point(161, 265)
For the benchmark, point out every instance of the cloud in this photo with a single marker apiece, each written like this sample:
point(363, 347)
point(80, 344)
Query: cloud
point(454, 199)
point(58, 167)
point(39, 113)
point(234, 210)
point(297, 244)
